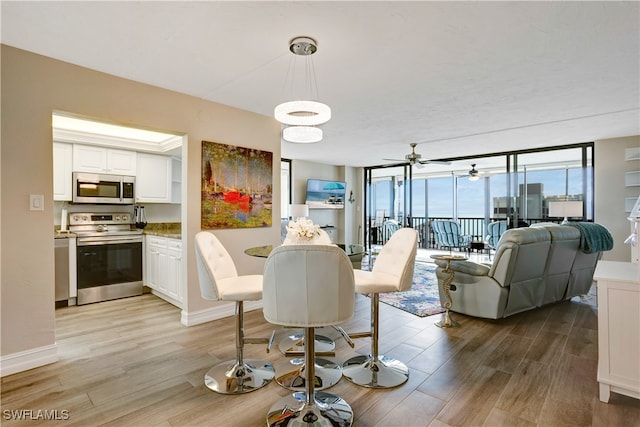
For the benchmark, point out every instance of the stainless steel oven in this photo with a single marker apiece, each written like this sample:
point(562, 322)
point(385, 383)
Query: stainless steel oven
point(109, 256)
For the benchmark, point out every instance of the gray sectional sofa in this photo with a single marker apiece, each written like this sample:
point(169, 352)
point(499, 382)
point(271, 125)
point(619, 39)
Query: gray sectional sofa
point(533, 266)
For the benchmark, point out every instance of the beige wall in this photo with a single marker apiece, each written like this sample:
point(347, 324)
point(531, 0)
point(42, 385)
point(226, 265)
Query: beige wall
point(32, 87)
point(610, 191)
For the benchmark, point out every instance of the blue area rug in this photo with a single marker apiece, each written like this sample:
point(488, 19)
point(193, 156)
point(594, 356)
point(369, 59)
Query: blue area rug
point(423, 298)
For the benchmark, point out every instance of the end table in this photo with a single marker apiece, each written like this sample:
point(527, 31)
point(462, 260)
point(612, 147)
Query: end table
point(447, 321)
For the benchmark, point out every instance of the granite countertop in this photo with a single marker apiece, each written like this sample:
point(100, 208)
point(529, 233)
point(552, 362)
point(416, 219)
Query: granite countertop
point(172, 230)
point(57, 234)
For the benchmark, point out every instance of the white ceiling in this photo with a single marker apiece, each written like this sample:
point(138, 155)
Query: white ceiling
point(459, 78)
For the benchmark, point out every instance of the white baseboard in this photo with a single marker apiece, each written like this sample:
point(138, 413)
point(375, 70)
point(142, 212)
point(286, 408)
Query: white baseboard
point(214, 313)
point(29, 359)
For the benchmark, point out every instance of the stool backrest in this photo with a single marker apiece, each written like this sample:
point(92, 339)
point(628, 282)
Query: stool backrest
point(213, 262)
point(397, 257)
point(308, 286)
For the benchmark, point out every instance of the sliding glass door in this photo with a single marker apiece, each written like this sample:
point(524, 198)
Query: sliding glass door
point(519, 187)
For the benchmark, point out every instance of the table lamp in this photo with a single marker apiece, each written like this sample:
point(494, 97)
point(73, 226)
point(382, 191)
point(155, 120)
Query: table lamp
point(566, 209)
point(298, 211)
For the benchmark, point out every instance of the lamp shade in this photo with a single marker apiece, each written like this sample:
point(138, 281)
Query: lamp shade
point(298, 211)
point(302, 134)
point(302, 113)
point(565, 209)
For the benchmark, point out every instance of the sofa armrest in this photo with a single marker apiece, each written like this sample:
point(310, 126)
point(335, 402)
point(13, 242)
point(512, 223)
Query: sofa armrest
point(468, 267)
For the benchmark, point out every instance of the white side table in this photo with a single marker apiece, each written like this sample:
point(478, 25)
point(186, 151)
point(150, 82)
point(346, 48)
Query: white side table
point(618, 328)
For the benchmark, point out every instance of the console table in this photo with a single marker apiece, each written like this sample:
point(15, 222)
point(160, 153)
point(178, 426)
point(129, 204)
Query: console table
point(618, 328)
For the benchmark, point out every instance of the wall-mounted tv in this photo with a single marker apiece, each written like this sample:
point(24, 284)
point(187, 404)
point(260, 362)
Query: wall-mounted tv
point(323, 194)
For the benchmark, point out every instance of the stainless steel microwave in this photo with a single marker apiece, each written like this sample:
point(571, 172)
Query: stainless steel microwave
point(103, 188)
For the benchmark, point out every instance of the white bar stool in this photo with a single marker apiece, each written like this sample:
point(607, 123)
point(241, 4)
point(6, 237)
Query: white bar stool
point(309, 286)
point(219, 280)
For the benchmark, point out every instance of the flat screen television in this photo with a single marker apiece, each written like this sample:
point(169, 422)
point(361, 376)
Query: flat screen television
point(322, 194)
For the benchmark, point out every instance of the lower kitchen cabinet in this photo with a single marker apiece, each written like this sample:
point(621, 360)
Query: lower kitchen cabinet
point(164, 267)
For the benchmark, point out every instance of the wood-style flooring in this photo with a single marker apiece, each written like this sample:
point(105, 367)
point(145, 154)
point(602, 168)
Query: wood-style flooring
point(130, 362)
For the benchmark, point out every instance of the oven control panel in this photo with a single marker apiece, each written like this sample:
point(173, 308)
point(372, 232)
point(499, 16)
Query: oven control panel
point(100, 218)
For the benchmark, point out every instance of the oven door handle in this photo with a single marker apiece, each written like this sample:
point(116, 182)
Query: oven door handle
point(90, 241)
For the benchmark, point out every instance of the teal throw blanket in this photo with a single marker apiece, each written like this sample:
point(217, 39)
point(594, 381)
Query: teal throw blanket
point(594, 237)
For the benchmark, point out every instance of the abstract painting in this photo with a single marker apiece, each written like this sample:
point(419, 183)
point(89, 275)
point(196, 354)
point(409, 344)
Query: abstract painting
point(236, 187)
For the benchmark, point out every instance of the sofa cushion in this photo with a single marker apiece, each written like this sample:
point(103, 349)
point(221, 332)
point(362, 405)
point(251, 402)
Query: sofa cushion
point(519, 263)
point(564, 246)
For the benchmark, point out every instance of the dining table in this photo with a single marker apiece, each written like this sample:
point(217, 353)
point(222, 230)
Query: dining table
point(265, 250)
point(259, 251)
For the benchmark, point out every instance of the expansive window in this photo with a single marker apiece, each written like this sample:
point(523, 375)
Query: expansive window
point(470, 198)
point(382, 195)
point(440, 197)
point(516, 186)
point(567, 177)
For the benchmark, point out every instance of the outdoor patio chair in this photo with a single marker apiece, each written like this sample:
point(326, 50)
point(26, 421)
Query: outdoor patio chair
point(495, 230)
point(447, 234)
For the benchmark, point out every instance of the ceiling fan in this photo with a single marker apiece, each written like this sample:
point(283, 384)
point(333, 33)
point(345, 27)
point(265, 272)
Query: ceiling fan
point(474, 175)
point(414, 158)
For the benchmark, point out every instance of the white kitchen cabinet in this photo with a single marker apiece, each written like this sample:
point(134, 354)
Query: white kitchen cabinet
point(95, 159)
point(122, 162)
point(62, 171)
point(153, 247)
point(153, 180)
point(172, 285)
point(176, 180)
point(164, 267)
point(618, 328)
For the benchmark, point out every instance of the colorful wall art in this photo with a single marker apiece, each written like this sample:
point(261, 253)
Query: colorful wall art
point(236, 187)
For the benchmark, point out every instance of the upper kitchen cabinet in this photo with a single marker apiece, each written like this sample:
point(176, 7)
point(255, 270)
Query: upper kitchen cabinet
point(176, 180)
point(153, 180)
point(62, 170)
point(95, 159)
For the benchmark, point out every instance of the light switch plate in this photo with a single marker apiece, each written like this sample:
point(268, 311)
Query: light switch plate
point(36, 202)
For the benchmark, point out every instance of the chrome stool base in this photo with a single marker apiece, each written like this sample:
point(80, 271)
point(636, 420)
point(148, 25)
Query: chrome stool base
point(232, 378)
point(383, 373)
point(327, 374)
point(294, 343)
point(328, 410)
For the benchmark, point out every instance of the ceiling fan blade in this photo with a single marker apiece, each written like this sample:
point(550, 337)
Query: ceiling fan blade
point(396, 160)
point(437, 162)
point(420, 165)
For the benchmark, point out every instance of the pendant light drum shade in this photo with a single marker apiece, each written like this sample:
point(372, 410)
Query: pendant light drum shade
point(302, 113)
point(302, 134)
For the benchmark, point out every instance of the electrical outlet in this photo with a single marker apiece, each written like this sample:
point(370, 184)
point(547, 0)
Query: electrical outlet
point(36, 202)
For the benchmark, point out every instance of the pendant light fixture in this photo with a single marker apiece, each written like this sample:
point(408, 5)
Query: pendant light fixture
point(302, 115)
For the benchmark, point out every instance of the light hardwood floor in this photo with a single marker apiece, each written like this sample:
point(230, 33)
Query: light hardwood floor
point(131, 363)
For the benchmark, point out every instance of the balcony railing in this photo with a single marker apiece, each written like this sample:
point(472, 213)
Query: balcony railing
point(474, 227)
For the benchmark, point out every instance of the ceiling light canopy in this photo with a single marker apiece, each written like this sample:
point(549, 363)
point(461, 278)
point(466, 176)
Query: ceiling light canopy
point(303, 114)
